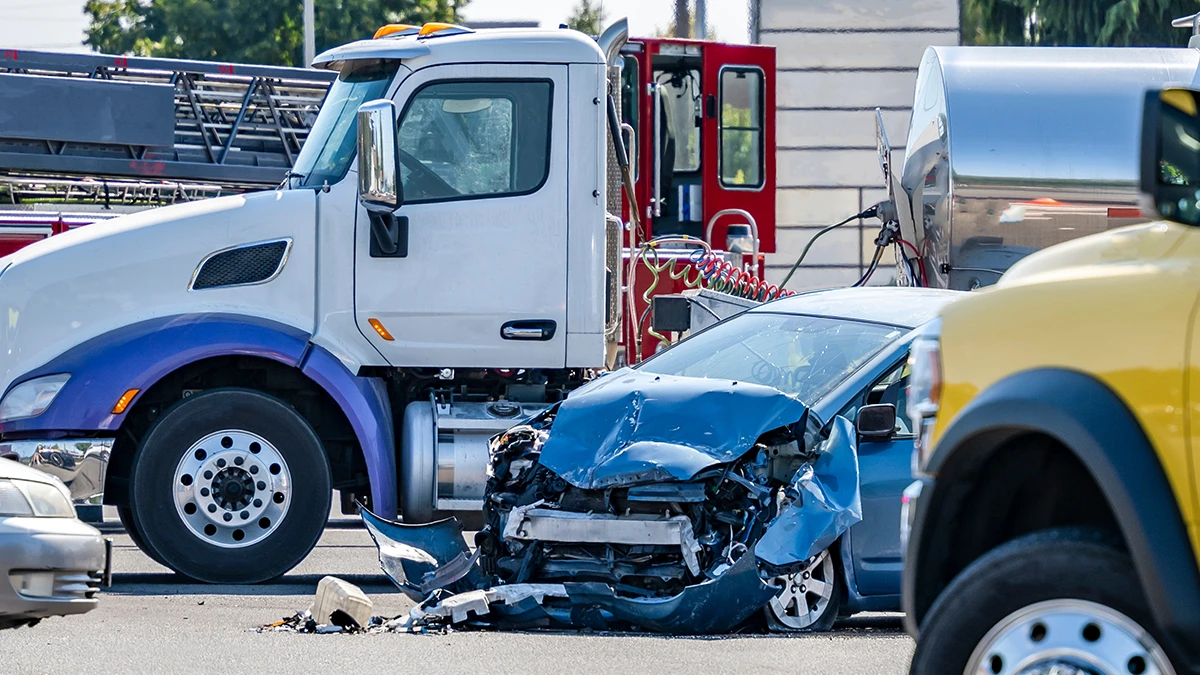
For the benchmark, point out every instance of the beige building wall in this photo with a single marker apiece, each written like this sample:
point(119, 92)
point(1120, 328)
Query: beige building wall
point(837, 61)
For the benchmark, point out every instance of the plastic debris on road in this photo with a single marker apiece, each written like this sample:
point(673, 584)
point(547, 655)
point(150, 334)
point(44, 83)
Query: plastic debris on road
point(340, 603)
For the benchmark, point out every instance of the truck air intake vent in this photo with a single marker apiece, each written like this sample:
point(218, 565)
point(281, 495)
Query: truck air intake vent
point(250, 264)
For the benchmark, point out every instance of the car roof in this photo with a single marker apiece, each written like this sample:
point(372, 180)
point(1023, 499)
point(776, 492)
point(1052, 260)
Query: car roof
point(893, 305)
point(18, 471)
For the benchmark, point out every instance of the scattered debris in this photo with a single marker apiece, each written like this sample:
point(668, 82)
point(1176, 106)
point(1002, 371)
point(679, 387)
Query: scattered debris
point(340, 603)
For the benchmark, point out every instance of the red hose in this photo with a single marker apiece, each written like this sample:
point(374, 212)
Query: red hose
point(920, 260)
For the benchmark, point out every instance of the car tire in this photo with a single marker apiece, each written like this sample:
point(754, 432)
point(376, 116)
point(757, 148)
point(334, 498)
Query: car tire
point(230, 486)
point(803, 606)
point(1035, 601)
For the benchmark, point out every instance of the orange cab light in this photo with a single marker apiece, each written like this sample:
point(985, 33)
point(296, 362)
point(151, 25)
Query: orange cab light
point(387, 30)
point(383, 332)
point(124, 401)
point(436, 26)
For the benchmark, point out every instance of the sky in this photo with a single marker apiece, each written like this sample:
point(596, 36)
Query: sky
point(58, 25)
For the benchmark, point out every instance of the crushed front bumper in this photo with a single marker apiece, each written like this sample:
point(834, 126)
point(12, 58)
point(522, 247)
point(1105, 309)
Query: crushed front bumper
point(49, 567)
point(80, 463)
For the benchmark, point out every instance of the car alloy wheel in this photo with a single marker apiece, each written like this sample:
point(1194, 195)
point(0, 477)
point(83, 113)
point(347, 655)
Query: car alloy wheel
point(807, 598)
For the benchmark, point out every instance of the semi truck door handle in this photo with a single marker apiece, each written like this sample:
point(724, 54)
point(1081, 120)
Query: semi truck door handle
point(528, 330)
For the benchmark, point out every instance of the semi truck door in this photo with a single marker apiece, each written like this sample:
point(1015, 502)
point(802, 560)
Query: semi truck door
point(739, 118)
point(483, 166)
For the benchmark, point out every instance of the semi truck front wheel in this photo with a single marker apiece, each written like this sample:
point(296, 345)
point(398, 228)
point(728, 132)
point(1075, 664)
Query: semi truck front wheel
point(230, 486)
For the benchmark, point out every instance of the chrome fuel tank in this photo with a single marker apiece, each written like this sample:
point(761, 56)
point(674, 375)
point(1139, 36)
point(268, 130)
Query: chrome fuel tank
point(1013, 149)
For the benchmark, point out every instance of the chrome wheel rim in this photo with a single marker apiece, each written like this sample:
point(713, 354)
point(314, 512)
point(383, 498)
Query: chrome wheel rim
point(804, 595)
point(232, 488)
point(1068, 637)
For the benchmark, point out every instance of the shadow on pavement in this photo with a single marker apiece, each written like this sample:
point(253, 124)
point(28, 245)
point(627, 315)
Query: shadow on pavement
point(167, 583)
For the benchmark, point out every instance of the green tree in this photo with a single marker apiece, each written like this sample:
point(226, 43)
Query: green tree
point(588, 17)
point(1075, 22)
point(246, 31)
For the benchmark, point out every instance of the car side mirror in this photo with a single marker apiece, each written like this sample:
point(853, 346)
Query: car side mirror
point(378, 156)
point(379, 187)
point(1170, 166)
point(876, 422)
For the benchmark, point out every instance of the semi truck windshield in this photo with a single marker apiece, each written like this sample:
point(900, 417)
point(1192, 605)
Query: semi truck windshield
point(331, 145)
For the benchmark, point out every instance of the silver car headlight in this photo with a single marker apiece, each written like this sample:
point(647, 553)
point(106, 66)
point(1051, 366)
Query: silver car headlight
point(30, 399)
point(29, 498)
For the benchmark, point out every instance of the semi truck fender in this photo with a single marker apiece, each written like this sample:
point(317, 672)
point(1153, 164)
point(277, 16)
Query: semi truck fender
point(364, 400)
point(1095, 425)
point(137, 356)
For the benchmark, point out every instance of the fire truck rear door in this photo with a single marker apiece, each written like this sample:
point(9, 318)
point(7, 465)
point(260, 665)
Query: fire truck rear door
point(484, 172)
point(739, 132)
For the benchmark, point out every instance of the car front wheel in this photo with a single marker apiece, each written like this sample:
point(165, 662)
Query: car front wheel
point(230, 486)
point(1059, 601)
point(808, 599)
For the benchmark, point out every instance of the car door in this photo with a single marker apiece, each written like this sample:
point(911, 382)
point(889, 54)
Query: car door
point(483, 166)
point(884, 471)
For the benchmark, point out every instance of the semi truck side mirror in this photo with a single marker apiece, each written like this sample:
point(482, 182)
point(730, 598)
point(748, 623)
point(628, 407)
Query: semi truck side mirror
point(1170, 171)
point(378, 156)
point(379, 186)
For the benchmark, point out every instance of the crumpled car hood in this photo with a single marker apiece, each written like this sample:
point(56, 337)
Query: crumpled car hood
point(633, 427)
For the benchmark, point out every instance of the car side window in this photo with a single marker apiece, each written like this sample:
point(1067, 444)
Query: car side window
point(471, 139)
point(891, 388)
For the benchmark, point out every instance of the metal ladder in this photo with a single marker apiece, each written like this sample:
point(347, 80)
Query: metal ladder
point(237, 126)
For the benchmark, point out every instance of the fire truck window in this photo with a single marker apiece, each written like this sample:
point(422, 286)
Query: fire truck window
point(475, 139)
point(629, 92)
point(742, 127)
point(681, 109)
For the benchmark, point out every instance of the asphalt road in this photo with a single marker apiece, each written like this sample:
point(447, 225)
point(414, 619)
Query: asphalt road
point(151, 622)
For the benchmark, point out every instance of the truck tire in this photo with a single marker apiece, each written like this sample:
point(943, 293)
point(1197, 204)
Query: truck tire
point(1031, 604)
point(230, 486)
point(126, 515)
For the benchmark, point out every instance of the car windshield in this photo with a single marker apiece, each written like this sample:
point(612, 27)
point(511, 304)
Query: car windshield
point(803, 356)
point(332, 142)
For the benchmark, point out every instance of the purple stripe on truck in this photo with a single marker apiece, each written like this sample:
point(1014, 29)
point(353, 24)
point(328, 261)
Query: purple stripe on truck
point(139, 355)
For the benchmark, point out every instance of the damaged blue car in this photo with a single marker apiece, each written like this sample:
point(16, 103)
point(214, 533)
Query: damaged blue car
point(718, 481)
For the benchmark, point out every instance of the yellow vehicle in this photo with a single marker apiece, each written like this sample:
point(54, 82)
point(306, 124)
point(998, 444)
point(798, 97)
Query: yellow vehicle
point(1054, 525)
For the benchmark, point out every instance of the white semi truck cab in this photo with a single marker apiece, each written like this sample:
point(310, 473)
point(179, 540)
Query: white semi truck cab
point(432, 270)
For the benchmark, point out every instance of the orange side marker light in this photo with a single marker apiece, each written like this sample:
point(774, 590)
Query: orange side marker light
point(124, 401)
point(383, 332)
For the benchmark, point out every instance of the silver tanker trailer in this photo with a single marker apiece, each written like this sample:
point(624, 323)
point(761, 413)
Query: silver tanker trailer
point(1013, 149)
